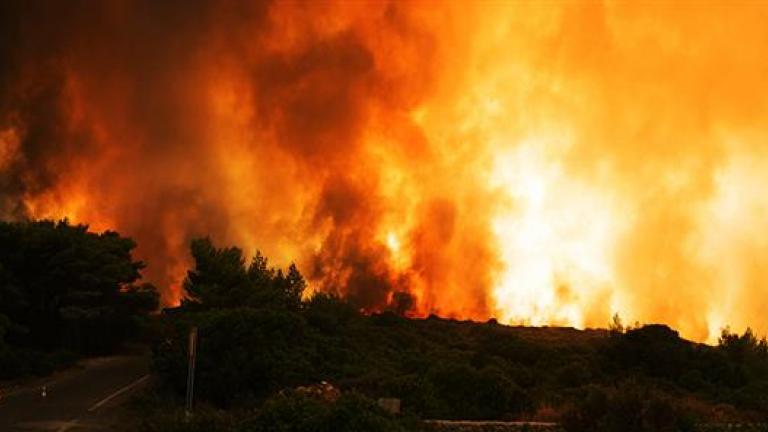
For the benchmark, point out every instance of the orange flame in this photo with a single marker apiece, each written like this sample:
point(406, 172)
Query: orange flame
point(544, 164)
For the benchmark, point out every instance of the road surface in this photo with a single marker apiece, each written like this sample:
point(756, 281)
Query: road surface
point(87, 398)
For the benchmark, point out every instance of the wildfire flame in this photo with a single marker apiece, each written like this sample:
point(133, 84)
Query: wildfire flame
point(544, 163)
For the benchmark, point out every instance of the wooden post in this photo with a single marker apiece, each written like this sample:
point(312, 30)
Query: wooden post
point(191, 371)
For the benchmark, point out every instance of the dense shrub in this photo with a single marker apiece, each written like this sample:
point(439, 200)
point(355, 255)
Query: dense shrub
point(631, 407)
point(205, 419)
point(467, 393)
point(643, 347)
point(439, 368)
point(243, 353)
point(284, 412)
point(449, 369)
point(292, 412)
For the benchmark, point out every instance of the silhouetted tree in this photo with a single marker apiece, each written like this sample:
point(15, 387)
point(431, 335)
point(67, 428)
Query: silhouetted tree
point(220, 279)
point(62, 286)
point(742, 348)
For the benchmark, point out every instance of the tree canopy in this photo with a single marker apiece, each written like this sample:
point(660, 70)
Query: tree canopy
point(221, 279)
point(64, 287)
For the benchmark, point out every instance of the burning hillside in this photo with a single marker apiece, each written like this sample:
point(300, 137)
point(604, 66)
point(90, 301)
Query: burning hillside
point(542, 164)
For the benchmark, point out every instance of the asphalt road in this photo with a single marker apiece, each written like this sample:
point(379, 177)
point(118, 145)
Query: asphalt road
point(86, 398)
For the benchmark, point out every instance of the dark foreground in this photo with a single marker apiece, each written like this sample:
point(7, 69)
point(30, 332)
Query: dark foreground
point(87, 398)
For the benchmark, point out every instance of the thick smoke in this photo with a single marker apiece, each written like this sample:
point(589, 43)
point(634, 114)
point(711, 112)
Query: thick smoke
point(539, 164)
point(249, 123)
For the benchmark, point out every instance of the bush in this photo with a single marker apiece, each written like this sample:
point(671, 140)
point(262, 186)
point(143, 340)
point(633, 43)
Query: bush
point(155, 410)
point(643, 348)
point(242, 354)
point(352, 412)
point(467, 393)
point(632, 407)
point(204, 420)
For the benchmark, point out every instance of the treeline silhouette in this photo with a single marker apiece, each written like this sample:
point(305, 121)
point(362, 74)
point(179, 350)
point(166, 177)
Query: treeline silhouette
point(66, 292)
point(259, 340)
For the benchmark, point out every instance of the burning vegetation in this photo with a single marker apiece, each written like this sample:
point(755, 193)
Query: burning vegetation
point(540, 164)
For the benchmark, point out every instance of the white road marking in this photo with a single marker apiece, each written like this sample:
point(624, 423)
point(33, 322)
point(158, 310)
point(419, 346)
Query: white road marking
point(118, 393)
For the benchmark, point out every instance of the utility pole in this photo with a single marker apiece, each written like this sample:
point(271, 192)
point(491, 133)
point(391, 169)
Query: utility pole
point(191, 371)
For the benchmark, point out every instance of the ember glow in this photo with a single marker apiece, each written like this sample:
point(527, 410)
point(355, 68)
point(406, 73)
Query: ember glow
point(538, 162)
